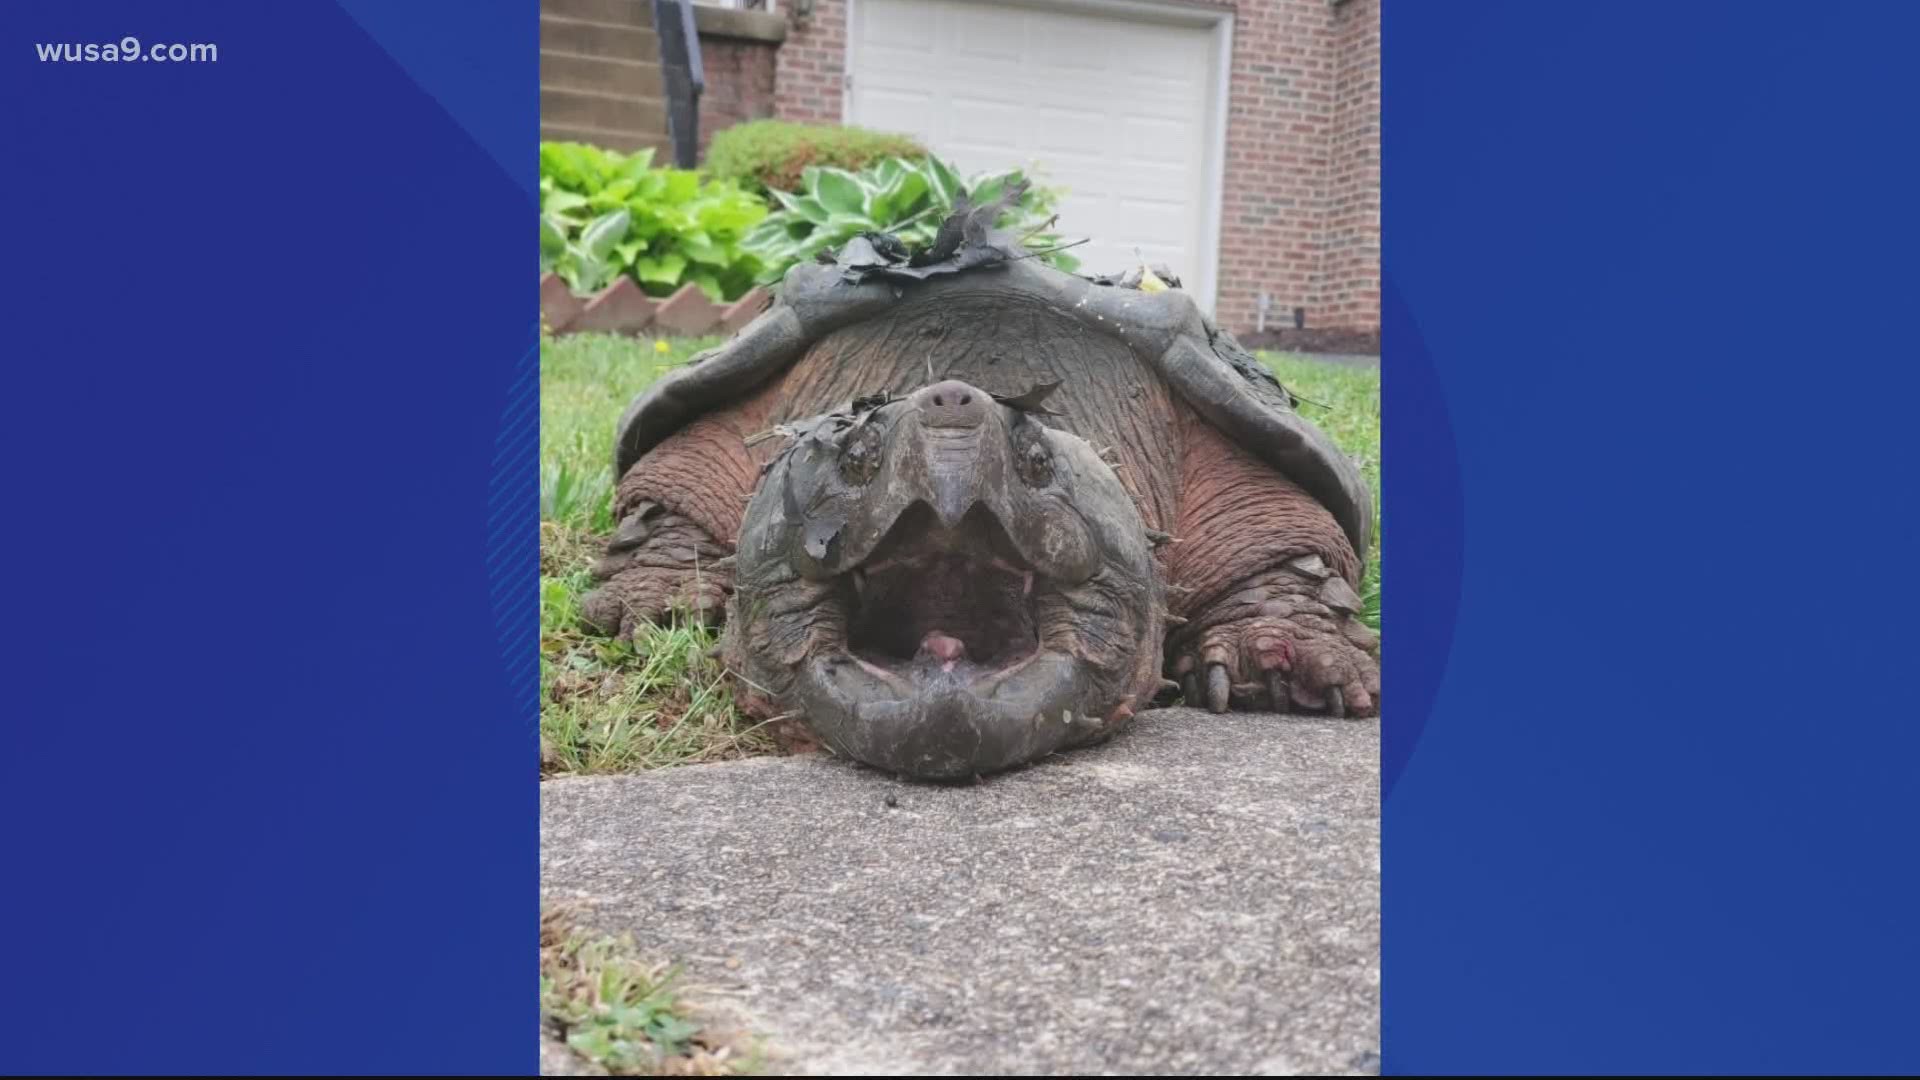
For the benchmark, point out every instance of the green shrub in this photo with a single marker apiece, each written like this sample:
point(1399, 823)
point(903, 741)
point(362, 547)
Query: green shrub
point(770, 155)
point(604, 214)
point(906, 198)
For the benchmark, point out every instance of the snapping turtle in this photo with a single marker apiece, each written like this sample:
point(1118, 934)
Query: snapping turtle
point(958, 510)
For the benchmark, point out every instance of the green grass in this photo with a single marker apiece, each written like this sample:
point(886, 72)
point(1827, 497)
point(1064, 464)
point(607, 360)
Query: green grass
point(1345, 403)
point(586, 381)
point(615, 706)
point(611, 705)
point(621, 1014)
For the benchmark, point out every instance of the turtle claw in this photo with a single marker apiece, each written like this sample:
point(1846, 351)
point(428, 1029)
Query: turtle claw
point(1219, 688)
point(1336, 703)
point(1166, 693)
point(1277, 697)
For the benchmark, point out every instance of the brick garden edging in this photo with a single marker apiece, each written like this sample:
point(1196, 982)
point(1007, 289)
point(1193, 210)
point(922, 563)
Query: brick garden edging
point(623, 308)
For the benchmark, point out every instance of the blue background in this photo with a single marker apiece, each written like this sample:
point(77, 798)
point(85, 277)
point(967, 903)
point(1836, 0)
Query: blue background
point(1650, 415)
point(268, 759)
point(267, 748)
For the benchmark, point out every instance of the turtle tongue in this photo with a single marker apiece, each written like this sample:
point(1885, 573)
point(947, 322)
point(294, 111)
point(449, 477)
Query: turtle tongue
point(944, 647)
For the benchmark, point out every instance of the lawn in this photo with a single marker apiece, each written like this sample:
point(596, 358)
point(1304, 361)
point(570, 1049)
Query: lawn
point(617, 706)
point(610, 705)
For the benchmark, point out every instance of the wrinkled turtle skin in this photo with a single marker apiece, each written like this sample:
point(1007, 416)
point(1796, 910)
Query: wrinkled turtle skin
point(958, 514)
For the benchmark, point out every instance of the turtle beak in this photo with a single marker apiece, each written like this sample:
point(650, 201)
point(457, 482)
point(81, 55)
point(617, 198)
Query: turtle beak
point(955, 452)
point(953, 493)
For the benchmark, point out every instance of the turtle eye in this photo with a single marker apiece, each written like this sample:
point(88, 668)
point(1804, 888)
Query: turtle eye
point(860, 454)
point(1034, 462)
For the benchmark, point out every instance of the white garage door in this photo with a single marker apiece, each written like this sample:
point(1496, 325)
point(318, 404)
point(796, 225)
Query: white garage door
point(1115, 104)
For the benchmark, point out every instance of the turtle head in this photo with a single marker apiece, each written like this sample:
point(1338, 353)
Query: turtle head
point(943, 585)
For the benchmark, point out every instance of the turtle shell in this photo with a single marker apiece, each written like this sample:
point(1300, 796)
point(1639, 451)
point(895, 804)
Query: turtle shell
point(1202, 364)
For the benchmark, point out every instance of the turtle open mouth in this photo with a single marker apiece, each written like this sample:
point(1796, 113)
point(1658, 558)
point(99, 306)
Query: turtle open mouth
point(958, 601)
point(944, 587)
point(948, 661)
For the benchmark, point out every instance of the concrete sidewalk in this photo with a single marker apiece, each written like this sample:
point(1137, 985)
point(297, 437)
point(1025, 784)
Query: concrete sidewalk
point(1200, 895)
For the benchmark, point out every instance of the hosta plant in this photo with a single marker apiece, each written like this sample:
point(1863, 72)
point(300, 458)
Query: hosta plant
point(604, 214)
point(906, 198)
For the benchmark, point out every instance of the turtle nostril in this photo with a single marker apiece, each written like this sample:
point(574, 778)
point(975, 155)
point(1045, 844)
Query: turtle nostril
point(952, 404)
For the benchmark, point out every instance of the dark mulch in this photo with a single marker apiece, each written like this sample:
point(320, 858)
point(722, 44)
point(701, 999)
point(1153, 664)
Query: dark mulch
point(1315, 340)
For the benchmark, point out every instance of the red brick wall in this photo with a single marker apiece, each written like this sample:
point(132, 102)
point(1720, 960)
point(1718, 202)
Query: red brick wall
point(740, 81)
point(1300, 200)
point(1301, 205)
point(1349, 287)
point(1278, 99)
point(811, 73)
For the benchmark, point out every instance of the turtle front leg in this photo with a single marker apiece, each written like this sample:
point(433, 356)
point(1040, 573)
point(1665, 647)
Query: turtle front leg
point(1286, 641)
point(679, 510)
point(1266, 583)
point(657, 564)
